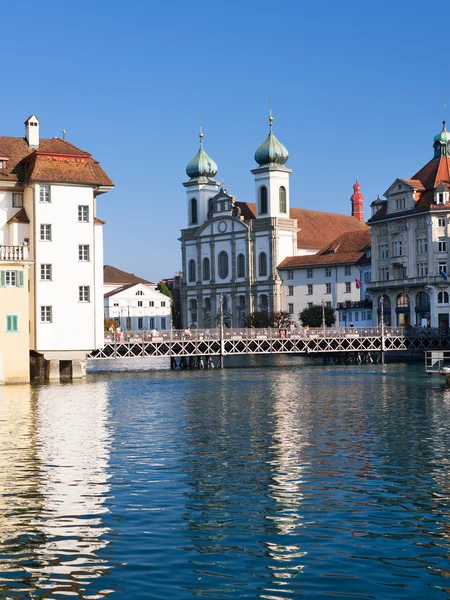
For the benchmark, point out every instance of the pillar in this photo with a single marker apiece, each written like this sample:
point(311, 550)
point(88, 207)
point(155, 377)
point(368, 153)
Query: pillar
point(78, 369)
point(52, 370)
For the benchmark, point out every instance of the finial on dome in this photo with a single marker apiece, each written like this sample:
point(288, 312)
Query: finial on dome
point(201, 165)
point(444, 123)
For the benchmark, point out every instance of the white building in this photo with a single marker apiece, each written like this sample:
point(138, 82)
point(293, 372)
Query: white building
point(336, 276)
point(410, 246)
point(232, 249)
point(48, 200)
point(137, 306)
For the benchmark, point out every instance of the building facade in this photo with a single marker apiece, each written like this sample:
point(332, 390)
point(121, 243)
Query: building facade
point(231, 250)
point(48, 195)
point(410, 246)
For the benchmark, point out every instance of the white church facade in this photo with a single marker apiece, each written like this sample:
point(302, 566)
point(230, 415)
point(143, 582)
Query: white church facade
point(232, 250)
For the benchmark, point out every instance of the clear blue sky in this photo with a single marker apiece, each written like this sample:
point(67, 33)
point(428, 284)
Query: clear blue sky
point(358, 90)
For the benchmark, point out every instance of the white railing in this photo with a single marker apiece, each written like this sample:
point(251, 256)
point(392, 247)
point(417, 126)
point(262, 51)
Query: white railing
point(12, 253)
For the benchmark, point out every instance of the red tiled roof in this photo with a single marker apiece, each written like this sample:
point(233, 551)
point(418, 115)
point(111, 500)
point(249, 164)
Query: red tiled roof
point(20, 217)
point(111, 275)
point(66, 163)
point(433, 173)
point(349, 247)
point(98, 221)
point(316, 228)
point(414, 183)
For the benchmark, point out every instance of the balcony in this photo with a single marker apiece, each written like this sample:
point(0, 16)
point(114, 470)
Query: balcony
point(13, 253)
point(375, 286)
point(365, 304)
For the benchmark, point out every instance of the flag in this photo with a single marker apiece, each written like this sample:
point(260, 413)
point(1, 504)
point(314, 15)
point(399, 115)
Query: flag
point(444, 276)
point(358, 283)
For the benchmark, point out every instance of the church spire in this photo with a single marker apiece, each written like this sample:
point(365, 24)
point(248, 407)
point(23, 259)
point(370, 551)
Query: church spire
point(441, 143)
point(357, 200)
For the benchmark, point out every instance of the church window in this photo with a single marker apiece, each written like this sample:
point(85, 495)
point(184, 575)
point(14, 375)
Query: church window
point(263, 200)
point(224, 303)
point(208, 303)
point(242, 302)
point(282, 199)
point(223, 265)
point(193, 304)
point(443, 298)
point(206, 269)
point(193, 211)
point(241, 265)
point(210, 207)
point(263, 303)
point(262, 264)
point(191, 270)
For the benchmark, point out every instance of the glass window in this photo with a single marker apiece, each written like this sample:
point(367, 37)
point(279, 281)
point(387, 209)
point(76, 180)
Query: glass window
point(10, 278)
point(348, 270)
point(46, 272)
point(442, 244)
point(206, 269)
point(17, 200)
point(223, 265)
point(328, 288)
point(262, 263)
point(309, 289)
point(83, 293)
point(139, 293)
point(140, 303)
point(282, 199)
point(163, 323)
point(348, 287)
point(327, 271)
point(191, 270)
point(264, 302)
point(443, 268)
point(242, 302)
point(46, 314)
point(291, 290)
point(46, 233)
point(309, 273)
point(44, 193)
point(291, 309)
point(151, 323)
point(290, 274)
point(128, 323)
point(241, 265)
point(193, 211)
point(163, 303)
point(83, 214)
point(443, 298)
point(263, 200)
point(140, 323)
point(83, 252)
point(12, 323)
point(151, 303)
point(310, 304)
point(441, 221)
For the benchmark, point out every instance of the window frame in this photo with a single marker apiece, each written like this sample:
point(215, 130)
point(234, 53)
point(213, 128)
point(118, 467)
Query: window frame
point(84, 294)
point(16, 195)
point(45, 195)
point(192, 267)
point(240, 266)
point(282, 199)
point(206, 270)
point(46, 272)
point(46, 313)
point(45, 232)
point(223, 264)
point(11, 323)
point(263, 200)
point(83, 213)
point(82, 251)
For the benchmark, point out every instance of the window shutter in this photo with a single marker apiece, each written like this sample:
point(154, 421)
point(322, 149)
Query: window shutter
point(15, 322)
point(20, 278)
point(8, 323)
point(2, 277)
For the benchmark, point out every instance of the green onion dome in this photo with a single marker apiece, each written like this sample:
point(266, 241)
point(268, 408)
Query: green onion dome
point(271, 151)
point(443, 136)
point(201, 165)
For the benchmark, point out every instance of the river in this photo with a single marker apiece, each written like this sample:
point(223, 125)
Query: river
point(276, 483)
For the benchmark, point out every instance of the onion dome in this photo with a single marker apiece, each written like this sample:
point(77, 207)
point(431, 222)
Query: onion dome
point(201, 165)
point(357, 192)
point(271, 151)
point(443, 136)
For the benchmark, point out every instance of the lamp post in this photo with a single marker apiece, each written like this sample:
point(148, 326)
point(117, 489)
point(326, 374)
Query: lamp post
point(382, 327)
point(221, 330)
point(323, 317)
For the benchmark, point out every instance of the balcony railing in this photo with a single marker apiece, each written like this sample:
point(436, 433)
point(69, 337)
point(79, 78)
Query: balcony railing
point(367, 304)
point(407, 281)
point(13, 253)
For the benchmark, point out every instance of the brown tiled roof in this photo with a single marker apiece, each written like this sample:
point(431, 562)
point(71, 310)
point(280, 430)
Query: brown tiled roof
point(55, 161)
point(112, 275)
point(98, 221)
point(433, 173)
point(20, 217)
point(316, 228)
point(349, 247)
point(120, 289)
point(414, 183)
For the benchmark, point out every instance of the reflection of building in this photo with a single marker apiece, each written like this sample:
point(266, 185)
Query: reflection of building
point(336, 276)
point(48, 204)
point(410, 244)
point(232, 249)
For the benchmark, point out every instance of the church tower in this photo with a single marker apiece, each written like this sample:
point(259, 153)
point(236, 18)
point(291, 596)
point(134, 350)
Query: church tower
point(357, 200)
point(272, 178)
point(201, 186)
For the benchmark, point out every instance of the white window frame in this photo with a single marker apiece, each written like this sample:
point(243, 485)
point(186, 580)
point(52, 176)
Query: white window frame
point(83, 253)
point(291, 308)
point(84, 293)
point(290, 290)
point(45, 232)
point(328, 288)
point(46, 272)
point(45, 194)
point(46, 314)
point(442, 244)
point(83, 213)
point(290, 274)
point(348, 287)
point(309, 273)
point(327, 271)
point(17, 200)
point(348, 270)
point(309, 289)
point(11, 279)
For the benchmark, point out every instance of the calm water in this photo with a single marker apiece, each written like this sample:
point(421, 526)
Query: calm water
point(299, 481)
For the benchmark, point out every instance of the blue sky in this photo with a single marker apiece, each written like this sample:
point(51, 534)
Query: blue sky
point(358, 90)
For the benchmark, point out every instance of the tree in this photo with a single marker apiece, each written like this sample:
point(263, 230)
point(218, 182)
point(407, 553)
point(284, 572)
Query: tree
point(162, 287)
point(261, 319)
point(110, 323)
point(313, 316)
point(280, 319)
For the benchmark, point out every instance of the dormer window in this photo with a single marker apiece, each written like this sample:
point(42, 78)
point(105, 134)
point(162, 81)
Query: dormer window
point(3, 162)
point(400, 203)
point(441, 197)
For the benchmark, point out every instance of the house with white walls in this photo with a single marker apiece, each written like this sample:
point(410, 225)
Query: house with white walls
point(48, 215)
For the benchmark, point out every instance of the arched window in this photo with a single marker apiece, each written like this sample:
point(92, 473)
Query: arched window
point(402, 300)
point(264, 303)
point(262, 264)
point(191, 270)
point(224, 303)
point(443, 298)
point(241, 265)
point(422, 299)
point(206, 269)
point(223, 265)
point(193, 211)
point(139, 293)
point(193, 304)
point(282, 199)
point(210, 207)
point(263, 200)
point(207, 303)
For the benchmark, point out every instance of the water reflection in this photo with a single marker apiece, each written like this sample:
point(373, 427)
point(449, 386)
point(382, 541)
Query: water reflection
point(53, 484)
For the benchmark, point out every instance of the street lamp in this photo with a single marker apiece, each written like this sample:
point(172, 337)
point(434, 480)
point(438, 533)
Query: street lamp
point(323, 318)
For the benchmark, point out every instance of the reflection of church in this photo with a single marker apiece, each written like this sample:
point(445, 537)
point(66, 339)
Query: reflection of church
point(409, 232)
point(232, 249)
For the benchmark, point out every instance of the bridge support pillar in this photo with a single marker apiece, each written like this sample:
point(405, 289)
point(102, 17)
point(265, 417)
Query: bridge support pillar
point(78, 369)
point(52, 370)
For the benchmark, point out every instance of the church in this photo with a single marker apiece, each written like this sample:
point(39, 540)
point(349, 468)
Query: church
point(232, 249)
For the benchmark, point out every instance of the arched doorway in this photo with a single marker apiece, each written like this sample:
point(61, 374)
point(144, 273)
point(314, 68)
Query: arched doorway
point(402, 311)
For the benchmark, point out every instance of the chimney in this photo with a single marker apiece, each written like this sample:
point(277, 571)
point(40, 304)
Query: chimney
point(32, 132)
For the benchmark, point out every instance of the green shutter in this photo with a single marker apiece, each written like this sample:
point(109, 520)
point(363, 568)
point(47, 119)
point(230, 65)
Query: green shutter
point(8, 323)
point(19, 278)
point(12, 323)
point(2, 277)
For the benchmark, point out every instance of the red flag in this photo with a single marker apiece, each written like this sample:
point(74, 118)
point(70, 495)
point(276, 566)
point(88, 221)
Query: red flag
point(358, 283)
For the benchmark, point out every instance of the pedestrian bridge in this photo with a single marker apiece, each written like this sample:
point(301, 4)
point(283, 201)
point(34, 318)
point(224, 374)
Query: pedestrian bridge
point(231, 342)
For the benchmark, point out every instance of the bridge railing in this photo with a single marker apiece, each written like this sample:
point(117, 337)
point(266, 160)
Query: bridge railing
point(268, 333)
